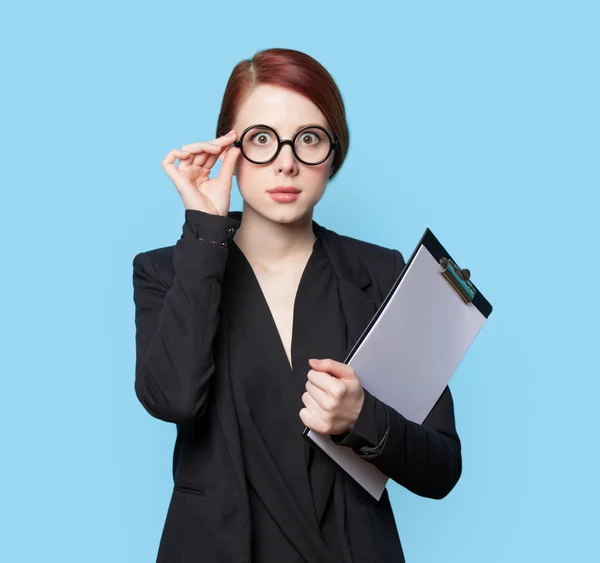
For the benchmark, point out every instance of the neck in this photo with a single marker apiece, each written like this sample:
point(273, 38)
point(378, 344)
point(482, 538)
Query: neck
point(269, 243)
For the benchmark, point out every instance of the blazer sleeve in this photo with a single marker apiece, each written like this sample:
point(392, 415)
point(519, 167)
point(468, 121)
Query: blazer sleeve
point(425, 458)
point(370, 427)
point(176, 322)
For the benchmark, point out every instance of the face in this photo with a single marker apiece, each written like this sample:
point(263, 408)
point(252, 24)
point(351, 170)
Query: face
point(286, 112)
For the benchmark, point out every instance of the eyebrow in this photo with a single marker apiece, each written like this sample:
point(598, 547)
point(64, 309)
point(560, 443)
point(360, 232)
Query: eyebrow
point(303, 127)
point(312, 125)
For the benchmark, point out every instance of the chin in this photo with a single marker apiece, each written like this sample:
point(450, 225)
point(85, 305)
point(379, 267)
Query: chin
point(287, 214)
point(283, 213)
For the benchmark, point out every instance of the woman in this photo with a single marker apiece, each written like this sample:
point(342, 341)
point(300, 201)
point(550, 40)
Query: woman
point(241, 331)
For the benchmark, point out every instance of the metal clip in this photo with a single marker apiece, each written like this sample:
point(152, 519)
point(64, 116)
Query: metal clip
point(458, 279)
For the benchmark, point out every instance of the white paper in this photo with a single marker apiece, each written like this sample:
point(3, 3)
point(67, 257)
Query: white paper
point(409, 355)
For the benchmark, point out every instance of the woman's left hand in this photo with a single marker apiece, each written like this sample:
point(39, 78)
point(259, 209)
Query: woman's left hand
point(333, 399)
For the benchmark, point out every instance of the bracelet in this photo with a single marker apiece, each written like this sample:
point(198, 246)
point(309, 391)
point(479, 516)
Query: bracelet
point(369, 450)
point(224, 244)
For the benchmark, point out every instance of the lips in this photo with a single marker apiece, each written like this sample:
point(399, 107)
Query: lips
point(284, 190)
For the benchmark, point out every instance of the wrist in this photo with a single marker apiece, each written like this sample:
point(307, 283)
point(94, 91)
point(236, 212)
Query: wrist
point(209, 227)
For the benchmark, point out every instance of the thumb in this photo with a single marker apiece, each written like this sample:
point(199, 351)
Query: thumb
point(333, 368)
point(228, 167)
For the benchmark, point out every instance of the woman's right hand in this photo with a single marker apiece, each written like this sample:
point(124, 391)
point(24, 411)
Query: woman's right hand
point(191, 178)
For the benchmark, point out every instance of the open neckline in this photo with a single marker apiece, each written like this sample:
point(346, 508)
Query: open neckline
point(269, 313)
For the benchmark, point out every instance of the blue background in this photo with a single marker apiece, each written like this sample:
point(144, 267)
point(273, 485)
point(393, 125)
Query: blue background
point(477, 119)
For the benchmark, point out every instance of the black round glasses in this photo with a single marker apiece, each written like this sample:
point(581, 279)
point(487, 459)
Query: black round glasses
point(260, 144)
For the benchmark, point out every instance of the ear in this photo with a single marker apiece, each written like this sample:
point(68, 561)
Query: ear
point(331, 170)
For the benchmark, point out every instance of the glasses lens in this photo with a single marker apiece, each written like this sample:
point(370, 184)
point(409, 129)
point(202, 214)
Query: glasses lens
point(312, 145)
point(260, 144)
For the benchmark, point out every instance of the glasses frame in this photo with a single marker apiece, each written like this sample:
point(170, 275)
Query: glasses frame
point(333, 144)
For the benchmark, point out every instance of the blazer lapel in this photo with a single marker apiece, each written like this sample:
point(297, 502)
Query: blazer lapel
point(354, 282)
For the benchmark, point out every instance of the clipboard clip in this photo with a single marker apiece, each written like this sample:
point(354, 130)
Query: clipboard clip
point(458, 279)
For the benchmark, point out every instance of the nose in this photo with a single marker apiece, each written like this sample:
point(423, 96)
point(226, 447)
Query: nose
point(286, 162)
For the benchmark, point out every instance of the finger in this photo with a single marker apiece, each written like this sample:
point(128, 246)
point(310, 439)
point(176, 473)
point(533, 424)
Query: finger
point(311, 421)
point(315, 408)
point(168, 162)
point(202, 147)
point(212, 158)
point(326, 383)
point(225, 140)
point(219, 143)
point(210, 161)
point(324, 400)
point(228, 166)
point(188, 162)
point(201, 160)
point(333, 368)
point(206, 160)
point(174, 154)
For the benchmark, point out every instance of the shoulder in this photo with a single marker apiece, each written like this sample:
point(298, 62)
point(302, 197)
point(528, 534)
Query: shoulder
point(380, 261)
point(382, 264)
point(371, 254)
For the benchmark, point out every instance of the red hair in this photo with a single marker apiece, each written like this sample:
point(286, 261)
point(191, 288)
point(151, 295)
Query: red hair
point(296, 71)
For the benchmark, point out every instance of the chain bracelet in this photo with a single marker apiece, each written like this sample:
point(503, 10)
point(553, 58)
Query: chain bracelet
point(223, 244)
point(369, 450)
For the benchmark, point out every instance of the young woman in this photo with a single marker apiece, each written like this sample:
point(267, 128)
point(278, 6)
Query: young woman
point(241, 331)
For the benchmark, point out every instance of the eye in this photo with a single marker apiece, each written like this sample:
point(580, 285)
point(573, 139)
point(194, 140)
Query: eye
point(309, 138)
point(261, 138)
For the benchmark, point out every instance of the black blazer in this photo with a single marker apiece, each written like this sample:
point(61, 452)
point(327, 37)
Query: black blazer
point(181, 377)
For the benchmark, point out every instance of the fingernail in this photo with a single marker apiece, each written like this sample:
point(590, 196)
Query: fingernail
point(230, 132)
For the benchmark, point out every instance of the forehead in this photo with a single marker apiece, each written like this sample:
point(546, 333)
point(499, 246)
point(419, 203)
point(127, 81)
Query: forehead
point(283, 109)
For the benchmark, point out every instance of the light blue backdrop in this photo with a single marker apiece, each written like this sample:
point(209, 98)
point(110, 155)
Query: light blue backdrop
point(477, 119)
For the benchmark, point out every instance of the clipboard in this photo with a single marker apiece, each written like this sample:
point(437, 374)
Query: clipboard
point(412, 346)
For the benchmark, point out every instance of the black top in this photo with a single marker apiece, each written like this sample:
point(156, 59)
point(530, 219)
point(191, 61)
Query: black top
point(290, 482)
point(183, 376)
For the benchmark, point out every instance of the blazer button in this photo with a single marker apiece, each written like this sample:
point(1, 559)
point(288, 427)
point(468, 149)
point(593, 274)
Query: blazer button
point(231, 231)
